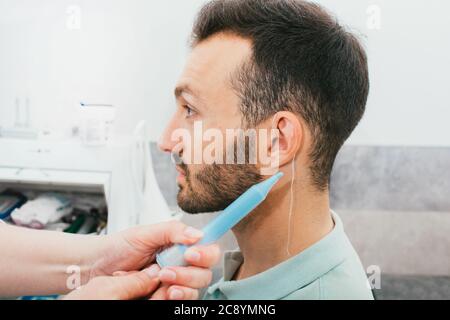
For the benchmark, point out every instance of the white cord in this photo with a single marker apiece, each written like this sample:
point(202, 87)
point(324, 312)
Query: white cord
point(291, 203)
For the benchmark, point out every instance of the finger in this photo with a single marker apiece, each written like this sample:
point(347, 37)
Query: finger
point(193, 277)
point(136, 285)
point(123, 273)
point(160, 294)
point(167, 233)
point(182, 293)
point(203, 256)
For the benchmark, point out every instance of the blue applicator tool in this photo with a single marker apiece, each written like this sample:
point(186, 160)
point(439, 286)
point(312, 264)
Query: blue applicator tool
point(231, 216)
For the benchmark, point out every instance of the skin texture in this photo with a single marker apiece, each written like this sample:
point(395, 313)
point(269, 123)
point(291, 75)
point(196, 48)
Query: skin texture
point(205, 93)
point(36, 263)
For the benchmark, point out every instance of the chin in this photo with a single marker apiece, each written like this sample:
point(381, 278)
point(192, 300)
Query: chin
point(191, 210)
point(186, 204)
point(192, 205)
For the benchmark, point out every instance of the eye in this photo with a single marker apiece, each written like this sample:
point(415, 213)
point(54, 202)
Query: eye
point(189, 111)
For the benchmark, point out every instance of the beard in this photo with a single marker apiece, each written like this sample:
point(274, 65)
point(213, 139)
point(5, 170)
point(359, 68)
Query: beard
point(214, 187)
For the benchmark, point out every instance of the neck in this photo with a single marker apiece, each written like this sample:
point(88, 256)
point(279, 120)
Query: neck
point(265, 237)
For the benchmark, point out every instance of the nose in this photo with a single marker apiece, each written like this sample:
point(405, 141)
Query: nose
point(166, 142)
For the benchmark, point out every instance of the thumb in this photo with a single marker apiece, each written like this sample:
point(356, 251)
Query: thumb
point(136, 285)
point(165, 234)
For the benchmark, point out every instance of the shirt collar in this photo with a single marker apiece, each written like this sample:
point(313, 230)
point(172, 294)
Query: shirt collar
point(290, 275)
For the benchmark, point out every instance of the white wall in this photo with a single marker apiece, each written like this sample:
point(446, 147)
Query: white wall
point(130, 53)
point(409, 61)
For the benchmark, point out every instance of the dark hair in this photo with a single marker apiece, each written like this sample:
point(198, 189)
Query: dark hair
point(303, 61)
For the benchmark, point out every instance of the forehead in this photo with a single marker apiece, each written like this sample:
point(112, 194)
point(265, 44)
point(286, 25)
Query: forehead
point(212, 62)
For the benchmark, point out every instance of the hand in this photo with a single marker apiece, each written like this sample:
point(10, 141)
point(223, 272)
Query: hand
point(127, 286)
point(181, 283)
point(136, 249)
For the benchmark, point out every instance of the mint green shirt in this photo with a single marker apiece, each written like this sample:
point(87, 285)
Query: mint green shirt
point(329, 269)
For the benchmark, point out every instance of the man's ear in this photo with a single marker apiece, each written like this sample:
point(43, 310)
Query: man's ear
point(289, 138)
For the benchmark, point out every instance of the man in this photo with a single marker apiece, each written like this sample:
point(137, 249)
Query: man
point(285, 66)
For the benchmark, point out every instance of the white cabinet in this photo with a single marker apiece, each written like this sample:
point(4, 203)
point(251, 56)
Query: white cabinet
point(90, 181)
point(71, 166)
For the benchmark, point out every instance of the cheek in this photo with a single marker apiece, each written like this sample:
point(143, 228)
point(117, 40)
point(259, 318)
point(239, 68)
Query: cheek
point(192, 171)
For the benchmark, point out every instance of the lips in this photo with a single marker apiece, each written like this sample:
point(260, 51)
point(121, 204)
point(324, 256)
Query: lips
point(180, 171)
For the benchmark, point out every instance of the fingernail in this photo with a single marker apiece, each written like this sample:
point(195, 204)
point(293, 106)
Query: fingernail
point(192, 255)
point(193, 233)
point(176, 294)
point(152, 271)
point(167, 275)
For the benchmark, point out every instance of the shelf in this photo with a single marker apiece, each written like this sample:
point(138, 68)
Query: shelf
point(73, 180)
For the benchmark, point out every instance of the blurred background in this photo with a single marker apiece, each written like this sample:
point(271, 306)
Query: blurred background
point(86, 88)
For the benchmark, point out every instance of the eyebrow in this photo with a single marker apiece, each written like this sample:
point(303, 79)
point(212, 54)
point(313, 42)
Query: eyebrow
point(186, 88)
point(183, 88)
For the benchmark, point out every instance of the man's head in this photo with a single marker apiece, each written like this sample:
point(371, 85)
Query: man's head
point(283, 65)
